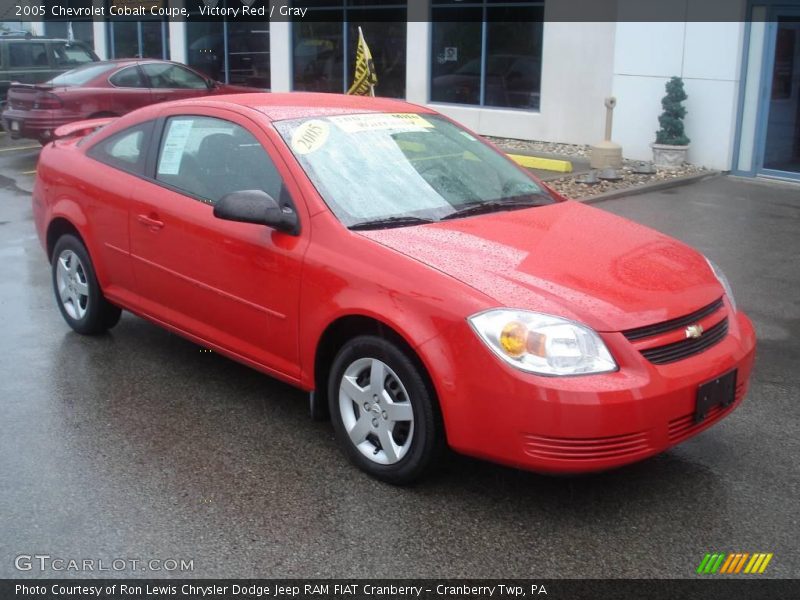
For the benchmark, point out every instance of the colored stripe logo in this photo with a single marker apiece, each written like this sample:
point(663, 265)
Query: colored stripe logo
point(734, 563)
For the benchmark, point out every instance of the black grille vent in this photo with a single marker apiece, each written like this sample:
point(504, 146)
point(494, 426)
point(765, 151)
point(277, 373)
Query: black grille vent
point(663, 327)
point(668, 353)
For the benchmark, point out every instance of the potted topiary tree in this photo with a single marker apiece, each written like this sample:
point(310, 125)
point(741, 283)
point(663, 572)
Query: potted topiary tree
point(671, 145)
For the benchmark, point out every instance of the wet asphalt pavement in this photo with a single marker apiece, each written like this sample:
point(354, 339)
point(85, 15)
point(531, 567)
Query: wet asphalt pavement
point(138, 445)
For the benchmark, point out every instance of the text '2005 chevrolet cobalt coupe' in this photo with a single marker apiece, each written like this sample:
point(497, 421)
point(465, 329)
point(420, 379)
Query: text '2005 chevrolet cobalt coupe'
point(422, 287)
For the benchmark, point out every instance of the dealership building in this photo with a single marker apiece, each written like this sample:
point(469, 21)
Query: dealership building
point(510, 68)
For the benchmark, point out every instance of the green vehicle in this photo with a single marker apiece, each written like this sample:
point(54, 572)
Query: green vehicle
point(28, 59)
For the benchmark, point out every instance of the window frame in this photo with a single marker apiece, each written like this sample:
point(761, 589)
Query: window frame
point(137, 169)
point(149, 82)
point(345, 6)
point(154, 150)
point(485, 6)
point(29, 44)
point(142, 78)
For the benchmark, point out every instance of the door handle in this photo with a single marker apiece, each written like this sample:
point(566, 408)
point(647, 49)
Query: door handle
point(150, 222)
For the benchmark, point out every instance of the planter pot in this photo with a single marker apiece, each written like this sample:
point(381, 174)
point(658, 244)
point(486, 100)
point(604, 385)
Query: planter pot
point(667, 156)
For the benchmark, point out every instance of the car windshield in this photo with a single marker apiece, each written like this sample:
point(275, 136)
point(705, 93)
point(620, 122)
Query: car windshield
point(398, 169)
point(81, 75)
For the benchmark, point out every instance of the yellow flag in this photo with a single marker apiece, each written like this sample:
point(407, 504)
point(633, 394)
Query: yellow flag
point(365, 77)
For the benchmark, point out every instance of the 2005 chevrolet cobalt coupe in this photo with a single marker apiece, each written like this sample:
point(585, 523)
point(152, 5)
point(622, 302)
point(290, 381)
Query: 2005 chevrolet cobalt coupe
point(424, 289)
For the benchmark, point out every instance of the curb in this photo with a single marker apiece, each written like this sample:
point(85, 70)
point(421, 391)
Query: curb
point(524, 156)
point(545, 164)
point(650, 187)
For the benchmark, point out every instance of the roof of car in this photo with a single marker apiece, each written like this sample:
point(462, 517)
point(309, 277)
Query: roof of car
point(298, 105)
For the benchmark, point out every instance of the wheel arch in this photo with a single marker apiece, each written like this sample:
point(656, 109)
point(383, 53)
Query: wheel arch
point(58, 227)
point(347, 327)
point(68, 216)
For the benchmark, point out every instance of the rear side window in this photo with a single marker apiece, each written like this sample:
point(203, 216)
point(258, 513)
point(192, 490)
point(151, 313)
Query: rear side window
point(71, 55)
point(27, 54)
point(82, 75)
point(128, 78)
point(126, 150)
point(208, 158)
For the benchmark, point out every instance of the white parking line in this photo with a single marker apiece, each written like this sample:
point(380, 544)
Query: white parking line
point(19, 148)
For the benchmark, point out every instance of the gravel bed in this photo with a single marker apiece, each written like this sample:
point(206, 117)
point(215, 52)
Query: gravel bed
point(570, 185)
point(546, 147)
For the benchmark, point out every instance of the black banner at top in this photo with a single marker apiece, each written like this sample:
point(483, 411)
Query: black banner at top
point(384, 10)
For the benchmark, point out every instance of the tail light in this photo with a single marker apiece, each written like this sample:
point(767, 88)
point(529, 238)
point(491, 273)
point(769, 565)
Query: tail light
point(46, 100)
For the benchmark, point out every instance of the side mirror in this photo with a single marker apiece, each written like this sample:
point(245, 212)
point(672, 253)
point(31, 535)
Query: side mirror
point(256, 206)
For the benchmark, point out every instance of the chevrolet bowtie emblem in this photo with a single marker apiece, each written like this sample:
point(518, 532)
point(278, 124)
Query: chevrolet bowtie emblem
point(694, 331)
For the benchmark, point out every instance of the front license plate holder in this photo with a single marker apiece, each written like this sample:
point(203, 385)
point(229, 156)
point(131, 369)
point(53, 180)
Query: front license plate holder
point(720, 391)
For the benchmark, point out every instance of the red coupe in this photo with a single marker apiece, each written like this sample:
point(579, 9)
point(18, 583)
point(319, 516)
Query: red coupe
point(102, 89)
point(419, 285)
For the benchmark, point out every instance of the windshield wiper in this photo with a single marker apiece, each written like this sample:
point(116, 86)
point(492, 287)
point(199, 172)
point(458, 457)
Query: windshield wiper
point(478, 208)
point(390, 222)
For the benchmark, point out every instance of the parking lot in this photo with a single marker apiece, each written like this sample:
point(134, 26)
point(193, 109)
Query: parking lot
point(138, 444)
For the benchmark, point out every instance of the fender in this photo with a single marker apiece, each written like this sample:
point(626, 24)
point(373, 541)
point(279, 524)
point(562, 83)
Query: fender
point(429, 345)
point(68, 208)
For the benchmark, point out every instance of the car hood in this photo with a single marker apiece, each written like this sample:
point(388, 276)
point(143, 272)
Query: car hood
point(566, 259)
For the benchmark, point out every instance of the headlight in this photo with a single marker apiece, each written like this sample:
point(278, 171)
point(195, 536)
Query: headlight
point(724, 282)
point(542, 344)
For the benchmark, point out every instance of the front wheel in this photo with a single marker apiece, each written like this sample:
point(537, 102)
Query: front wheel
point(385, 416)
point(78, 294)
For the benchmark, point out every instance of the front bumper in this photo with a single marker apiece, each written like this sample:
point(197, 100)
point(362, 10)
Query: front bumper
point(35, 124)
point(583, 423)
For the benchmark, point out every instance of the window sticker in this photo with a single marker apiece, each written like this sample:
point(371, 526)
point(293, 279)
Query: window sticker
point(174, 146)
point(380, 121)
point(310, 136)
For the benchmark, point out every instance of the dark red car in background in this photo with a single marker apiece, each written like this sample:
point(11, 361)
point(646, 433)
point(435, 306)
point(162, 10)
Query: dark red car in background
point(102, 89)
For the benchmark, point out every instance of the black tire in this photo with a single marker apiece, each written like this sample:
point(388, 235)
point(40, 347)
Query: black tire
point(90, 313)
point(405, 383)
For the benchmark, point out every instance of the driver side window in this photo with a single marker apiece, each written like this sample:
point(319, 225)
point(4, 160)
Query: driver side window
point(208, 158)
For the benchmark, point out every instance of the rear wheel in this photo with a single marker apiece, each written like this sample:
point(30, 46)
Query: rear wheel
point(384, 414)
point(78, 294)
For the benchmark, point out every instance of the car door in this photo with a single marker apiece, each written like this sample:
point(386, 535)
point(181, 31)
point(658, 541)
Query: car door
point(233, 285)
point(127, 91)
point(174, 82)
point(115, 177)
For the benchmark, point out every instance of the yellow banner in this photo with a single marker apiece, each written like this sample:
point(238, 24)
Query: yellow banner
point(365, 77)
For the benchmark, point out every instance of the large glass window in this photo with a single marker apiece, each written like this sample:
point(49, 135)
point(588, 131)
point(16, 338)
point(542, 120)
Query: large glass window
point(487, 53)
point(58, 27)
point(231, 51)
point(324, 45)
point(138, 37)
